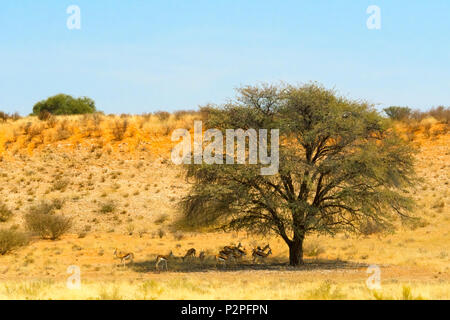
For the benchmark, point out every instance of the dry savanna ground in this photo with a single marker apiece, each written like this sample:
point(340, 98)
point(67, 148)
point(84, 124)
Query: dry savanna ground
point(112, 175)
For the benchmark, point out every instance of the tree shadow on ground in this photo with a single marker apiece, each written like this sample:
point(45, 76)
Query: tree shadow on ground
point(195, 265)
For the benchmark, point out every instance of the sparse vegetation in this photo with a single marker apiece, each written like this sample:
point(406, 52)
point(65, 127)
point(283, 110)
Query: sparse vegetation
point(11, 240)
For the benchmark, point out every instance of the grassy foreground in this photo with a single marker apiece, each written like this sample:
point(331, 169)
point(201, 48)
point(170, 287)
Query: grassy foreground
point(216, 285)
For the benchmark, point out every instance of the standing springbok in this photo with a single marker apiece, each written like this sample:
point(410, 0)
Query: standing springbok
point(164, 259)
point(189, 254)
point(123, 256)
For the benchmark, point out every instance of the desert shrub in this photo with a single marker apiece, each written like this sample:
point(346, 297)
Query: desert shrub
point(65, 104)
point(178, 236)
point(326, 291)
point(3, 116)
point(5, 213)
point(108, 207)
point(34, 131)
point(371, 227)
point(180, 114)
point(414, 223)
point(11, 240)
point(162, 115)
point(161, 219)
point(44, 115)
point(48, 225)
point(408, 295)
point(398, 113)
point(441, 113)
point(44, 207)
point(427, 129)
point(60, 184)
point(119, 129)
point(313, 249)
point(15, 116)
point(57, 203)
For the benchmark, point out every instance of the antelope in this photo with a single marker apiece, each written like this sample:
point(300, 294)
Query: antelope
point(231, 248)
point(161, 258)
point(238, 253)
point(190, 253)
point(202, 256)
point(123, 256)
point(258, 248)
point(223, 257)
point(259, 254)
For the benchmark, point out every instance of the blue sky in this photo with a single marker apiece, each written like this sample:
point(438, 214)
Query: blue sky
point(140, 56)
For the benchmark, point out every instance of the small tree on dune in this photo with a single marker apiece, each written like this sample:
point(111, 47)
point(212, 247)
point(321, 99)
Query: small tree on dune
point(62, 104)
point(340, 168)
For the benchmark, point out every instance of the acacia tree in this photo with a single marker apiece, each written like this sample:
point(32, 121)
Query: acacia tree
point(341, 167)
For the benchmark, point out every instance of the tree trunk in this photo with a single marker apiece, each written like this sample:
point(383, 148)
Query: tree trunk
point(296, 251)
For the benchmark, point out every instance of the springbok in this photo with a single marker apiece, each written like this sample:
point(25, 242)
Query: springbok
point(260, 254)
point(202, 256)
point(267, 246)
point(189, 254)
point(230, 249)
point(164, 259)
point(223, 257)
point(123, 256)
point(238, 253)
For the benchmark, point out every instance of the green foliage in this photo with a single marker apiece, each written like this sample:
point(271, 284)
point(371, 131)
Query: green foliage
point(64, 104)
point(11, 240)
point(398, 113)
point(340, 166)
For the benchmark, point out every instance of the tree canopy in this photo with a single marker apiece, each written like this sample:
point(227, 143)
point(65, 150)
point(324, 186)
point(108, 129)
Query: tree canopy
point(65, 104)
point(340, 167)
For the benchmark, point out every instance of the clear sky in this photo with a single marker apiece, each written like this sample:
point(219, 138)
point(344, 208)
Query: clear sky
point(135, 56)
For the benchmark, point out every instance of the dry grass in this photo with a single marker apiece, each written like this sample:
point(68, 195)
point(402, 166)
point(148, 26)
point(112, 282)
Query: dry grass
point(79, 165)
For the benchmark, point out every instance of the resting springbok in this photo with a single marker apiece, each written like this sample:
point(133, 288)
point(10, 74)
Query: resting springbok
point(261, 254)
point(164, 259)
point(223, 257)
point(238, 253)
point(267, 246)
point(230, 249)
point(202, 256)
point(123, 256)
point(189, 254)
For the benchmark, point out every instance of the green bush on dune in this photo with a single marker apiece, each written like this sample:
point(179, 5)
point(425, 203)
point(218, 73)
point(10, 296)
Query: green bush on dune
point(63, 104)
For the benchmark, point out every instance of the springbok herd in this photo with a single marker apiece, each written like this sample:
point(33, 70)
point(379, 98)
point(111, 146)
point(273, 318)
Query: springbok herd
point(231, 253)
